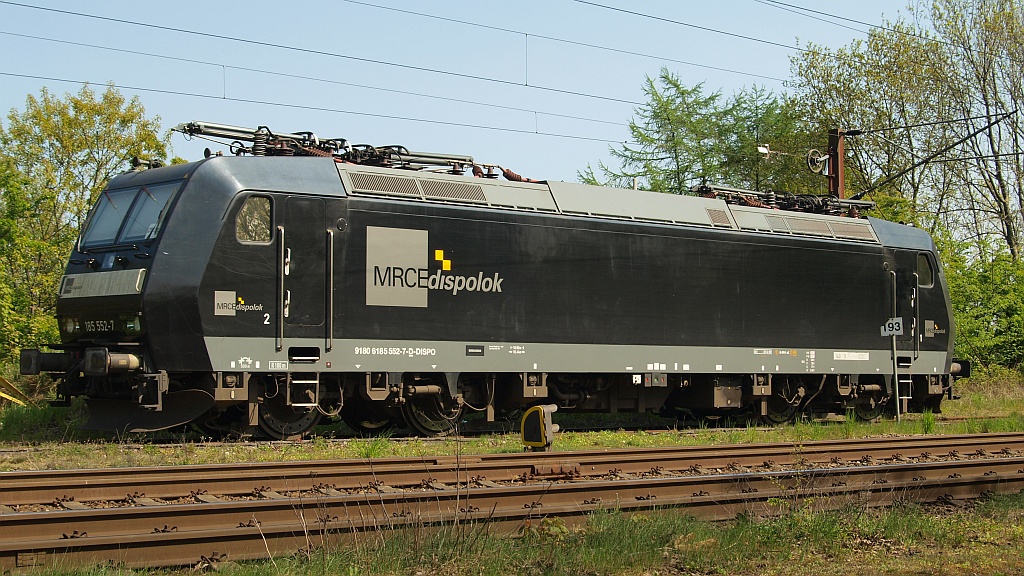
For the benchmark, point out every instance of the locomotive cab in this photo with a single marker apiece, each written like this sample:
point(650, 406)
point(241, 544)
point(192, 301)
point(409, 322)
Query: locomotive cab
point(102, 301)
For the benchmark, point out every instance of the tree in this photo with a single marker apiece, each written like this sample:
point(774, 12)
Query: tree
point(683, 137)
point(988, 302)
point(674, 137)
point(13, 208)
point(56, 157)
point(885, 86)
point(916, 87)
point(757, 117)
point(984, 44)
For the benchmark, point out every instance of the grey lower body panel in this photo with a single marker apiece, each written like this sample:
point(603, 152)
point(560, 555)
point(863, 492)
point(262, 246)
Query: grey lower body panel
point(237, 354)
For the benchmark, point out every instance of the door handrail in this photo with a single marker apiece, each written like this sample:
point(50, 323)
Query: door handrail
point(281, 263)
point(330, 290)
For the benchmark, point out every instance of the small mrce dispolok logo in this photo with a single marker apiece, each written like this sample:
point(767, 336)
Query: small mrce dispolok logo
point(399, 273)
point(226, 303)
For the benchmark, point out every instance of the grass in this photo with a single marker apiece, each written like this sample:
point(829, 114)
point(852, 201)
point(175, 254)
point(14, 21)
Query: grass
point(986, 538)
point(64, 447)
point(48, 437)
point(903, 539)
point(998, 393)
point(33, 424)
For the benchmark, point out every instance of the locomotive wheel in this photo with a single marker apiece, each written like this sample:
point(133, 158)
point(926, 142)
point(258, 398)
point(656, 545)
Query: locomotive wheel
point(432, 415)
point(365, 417)
point(217, 424)
point(868, 412)
point(279, 421)
point(779, 411)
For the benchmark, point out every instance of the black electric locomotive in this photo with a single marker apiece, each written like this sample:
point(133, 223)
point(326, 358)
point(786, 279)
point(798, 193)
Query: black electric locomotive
point(310, 277)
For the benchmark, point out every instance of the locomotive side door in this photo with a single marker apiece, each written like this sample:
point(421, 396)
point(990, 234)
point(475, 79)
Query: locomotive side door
point(904, 323)
point(302, 257)
point(906, 291)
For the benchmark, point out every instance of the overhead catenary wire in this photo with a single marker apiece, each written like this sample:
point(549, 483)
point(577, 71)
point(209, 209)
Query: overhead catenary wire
point(311, 78)
point(970, 158)
point(809, 13)
point(795, 48)
point(920, 124)
point(781, 5)
point(932, 156)
point(304, 77)
point(420, 14)
point(318, 52)
point(980, 157)
point(691, 25)
point(449, 72)
point(310, 107)
point(566, 41)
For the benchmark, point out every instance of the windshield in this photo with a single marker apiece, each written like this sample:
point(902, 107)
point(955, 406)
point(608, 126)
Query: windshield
point(128, 215)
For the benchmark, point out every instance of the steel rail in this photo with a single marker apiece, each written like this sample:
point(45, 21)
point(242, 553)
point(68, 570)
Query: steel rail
point(192, 533)
point(18, 489)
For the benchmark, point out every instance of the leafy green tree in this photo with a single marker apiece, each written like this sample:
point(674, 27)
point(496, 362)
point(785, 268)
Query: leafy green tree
point(916, 86)
point(22, 323)
point(674, 135)
point(885, 86)
point(988, 303)
point(684, 137)
point(56, 157)
point(983, 42)
point(756, 118)
point(14, 323)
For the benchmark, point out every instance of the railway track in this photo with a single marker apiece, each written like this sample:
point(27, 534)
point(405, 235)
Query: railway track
point(31, 490)
point(187, 515)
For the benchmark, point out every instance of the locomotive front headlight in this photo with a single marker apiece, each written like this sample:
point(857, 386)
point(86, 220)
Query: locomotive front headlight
point(133, 325)
point(71, 325)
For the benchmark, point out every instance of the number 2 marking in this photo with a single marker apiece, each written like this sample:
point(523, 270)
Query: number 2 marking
point(266, 318)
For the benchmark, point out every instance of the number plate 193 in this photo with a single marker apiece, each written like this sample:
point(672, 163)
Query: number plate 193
point(893, 327)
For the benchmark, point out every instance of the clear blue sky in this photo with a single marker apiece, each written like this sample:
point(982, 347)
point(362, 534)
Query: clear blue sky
point(323, 67)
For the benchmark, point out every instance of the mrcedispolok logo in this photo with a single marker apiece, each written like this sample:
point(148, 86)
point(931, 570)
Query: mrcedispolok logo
point(226, 303)
point(401, 270)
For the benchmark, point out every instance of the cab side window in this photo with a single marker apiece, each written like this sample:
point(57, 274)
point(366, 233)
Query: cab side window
point(925, 273)
point(252, 224)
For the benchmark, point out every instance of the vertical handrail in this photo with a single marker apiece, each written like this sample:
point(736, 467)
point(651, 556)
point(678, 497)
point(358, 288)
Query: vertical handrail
point(917, 315)
point(280, 288)
point(895, 364)
point(330, 290)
